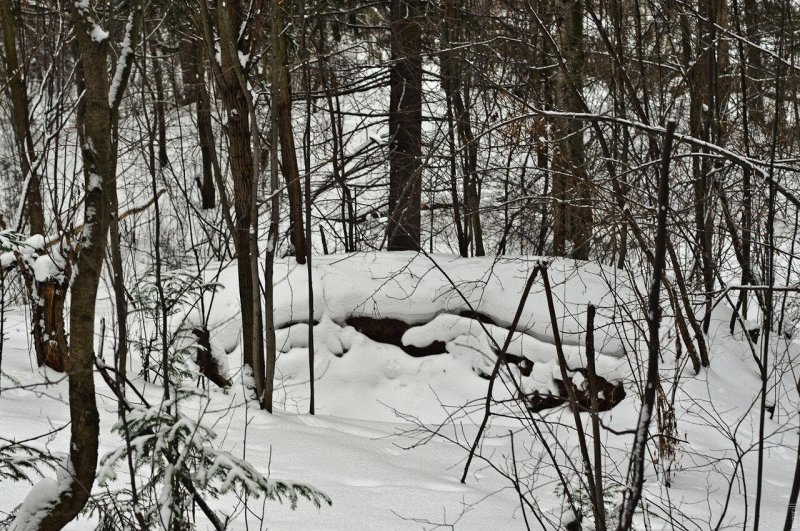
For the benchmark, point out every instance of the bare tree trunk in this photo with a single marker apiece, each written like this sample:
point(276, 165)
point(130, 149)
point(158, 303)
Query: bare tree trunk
point(752, 17)
point(347, 208)
point(17, 86)
point(283, 107)
point(597, 445)
point(205, 133)
point(769, 275)
point(120, 302)
point(269, 259)
point(190, 58)
point(194, 90)
point(232, 85)
point(448, 79)
point(95, 124)
point(405, 127)
point(161, 120)
point(307, 169)
point(703, 89)
point(752, 112)
point(572, 210)
point(457, 91)
point(47, 297)
point(791, 511)
point(633, 492)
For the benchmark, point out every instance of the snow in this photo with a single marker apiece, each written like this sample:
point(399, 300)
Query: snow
point(95, 182)
point(22, 196)
point(363, 447)
point(34, 243)
point(125, 51)
point(42, 496)
point(44, 268)
point(407, 286)
point(98, 34)
point(36, 505)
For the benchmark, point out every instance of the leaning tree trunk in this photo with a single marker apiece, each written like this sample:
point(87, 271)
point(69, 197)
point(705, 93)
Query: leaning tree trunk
point(405, 127)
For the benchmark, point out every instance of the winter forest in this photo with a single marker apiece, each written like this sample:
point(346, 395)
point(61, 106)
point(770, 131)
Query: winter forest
point(399, 264)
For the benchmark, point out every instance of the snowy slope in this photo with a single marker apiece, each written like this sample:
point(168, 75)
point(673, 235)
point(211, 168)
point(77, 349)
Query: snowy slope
point(361, 448)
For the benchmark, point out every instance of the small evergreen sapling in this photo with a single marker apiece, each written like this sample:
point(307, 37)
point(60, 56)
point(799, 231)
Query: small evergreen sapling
point(181, 457)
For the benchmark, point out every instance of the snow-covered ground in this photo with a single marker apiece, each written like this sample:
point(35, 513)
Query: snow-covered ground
point(376, 404)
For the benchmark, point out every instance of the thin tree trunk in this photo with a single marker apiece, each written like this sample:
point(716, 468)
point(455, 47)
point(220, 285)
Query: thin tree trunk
point(791, 511)
point(572, 210)
point(633, 491)
point(283, 107)
point(269, 260)
point(599, 507)
point(766, 324)
point(205, 132)
point(19, 108)
point(448, 18)
point(232, 86)
point(47, 297)
point(307, 170)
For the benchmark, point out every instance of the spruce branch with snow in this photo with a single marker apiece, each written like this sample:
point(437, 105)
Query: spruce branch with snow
point(171, 450)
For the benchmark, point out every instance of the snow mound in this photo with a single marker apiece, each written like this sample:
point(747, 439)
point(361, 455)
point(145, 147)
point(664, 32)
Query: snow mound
point(412, 288)
point(463, 306)
point(42, 497)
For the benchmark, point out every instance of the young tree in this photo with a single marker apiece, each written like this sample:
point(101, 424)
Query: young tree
point(17, 88)
point(283, 107)
point(455, 86)
point(205, 132)
point(95, 120)
point(46, 295)
point(236, 33)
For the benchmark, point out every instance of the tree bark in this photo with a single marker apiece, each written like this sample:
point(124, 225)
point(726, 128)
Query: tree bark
point(205, 132)
point(405, 127)
point(95, 125)
point(633, 491)
point(283, 107)
point(230, 77)
point(46, 298)
point(455, 90)
point(572, 210)
point(17, 87)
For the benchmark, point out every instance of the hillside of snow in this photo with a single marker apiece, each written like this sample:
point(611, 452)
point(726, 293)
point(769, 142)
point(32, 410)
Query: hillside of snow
point(391, 434)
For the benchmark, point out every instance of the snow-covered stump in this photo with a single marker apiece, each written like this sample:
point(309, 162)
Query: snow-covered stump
point(46, 275)
point(47, 315)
